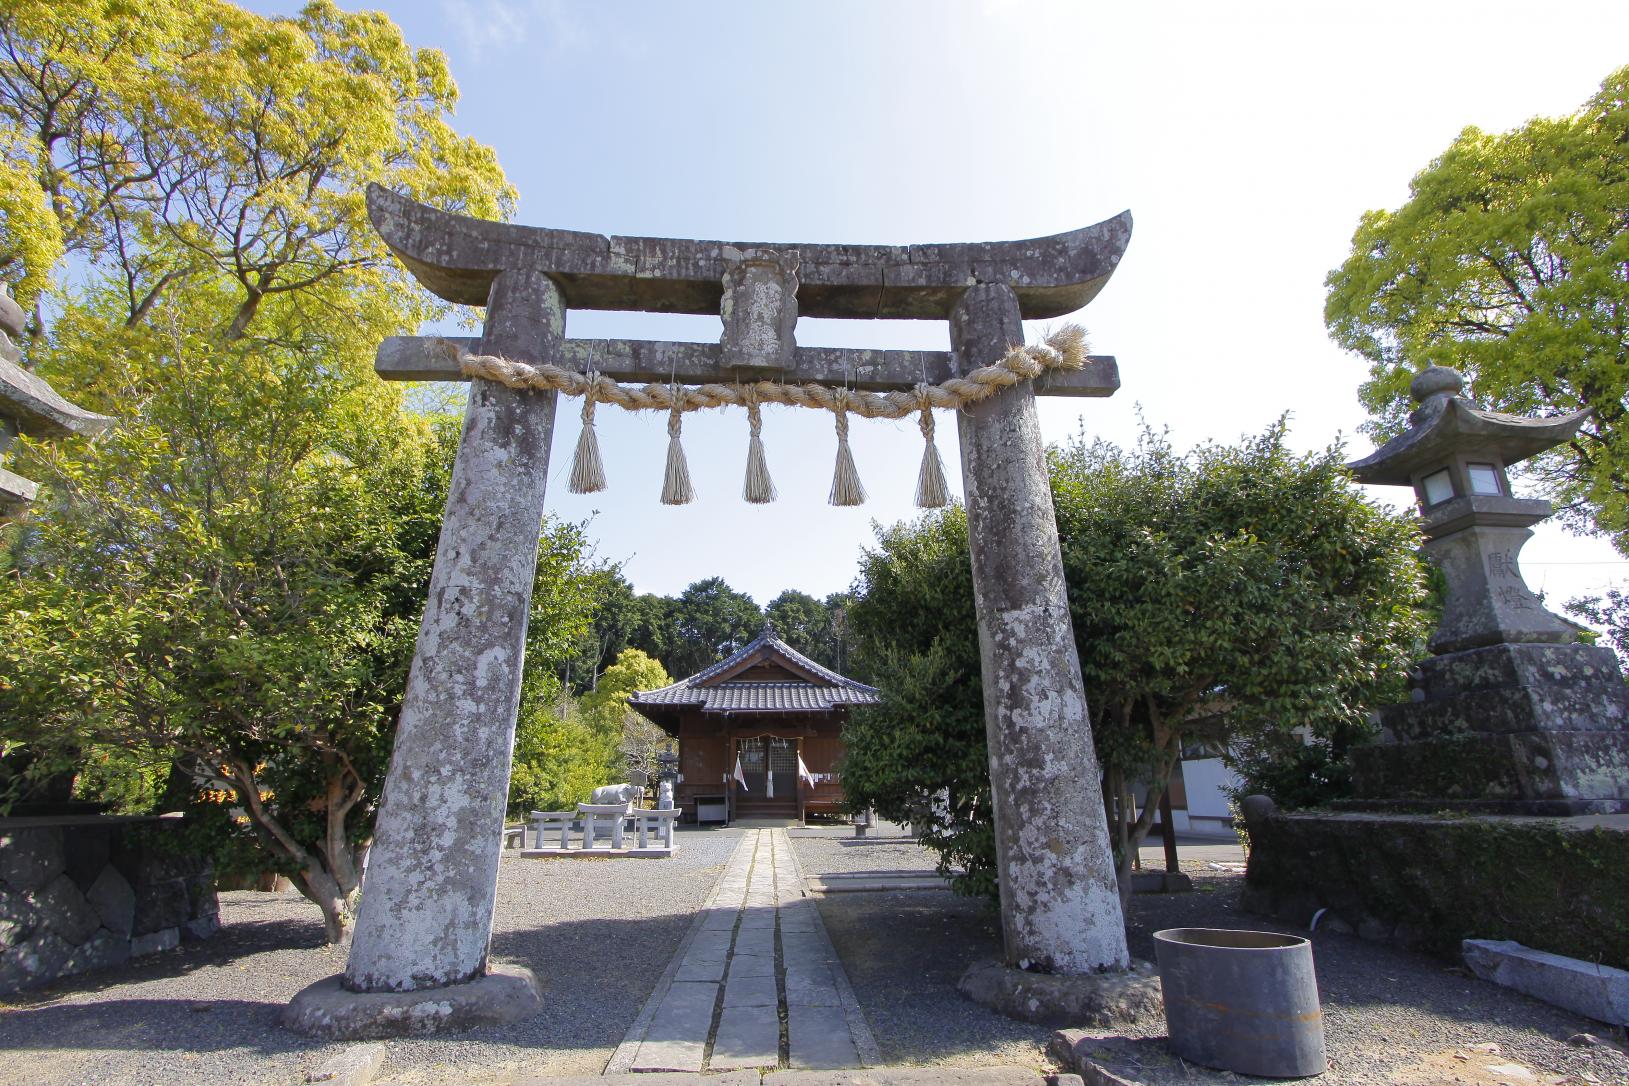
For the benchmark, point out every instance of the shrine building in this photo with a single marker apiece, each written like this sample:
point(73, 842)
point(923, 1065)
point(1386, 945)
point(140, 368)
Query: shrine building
point(769, 707)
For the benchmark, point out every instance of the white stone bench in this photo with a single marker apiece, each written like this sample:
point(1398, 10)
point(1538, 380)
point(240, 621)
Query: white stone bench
point(604, 827)
point(655, 823)
point(594, 815)
point(544, 821)
point(514, 836)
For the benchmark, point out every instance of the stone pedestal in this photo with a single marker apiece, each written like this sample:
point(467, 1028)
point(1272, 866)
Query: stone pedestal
point(1476, 542)
point(1514, 728)
point(1430, 881)
point(1090, 999)
point(330, 1011)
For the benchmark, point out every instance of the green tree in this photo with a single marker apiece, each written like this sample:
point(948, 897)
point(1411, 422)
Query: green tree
point(1224, 593)
point(615, 618)
point(565, 747)
point(633, 670)
point(560, 756)
point(837, 605)
point(638, 740)
point(816, 628)
point(709, 620)
point(802, 622)
point(1608, 611)
point(231, 578)
point(915, 635)
point(1507, 262)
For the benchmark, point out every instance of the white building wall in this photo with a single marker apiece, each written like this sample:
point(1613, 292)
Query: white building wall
point(1207, 815)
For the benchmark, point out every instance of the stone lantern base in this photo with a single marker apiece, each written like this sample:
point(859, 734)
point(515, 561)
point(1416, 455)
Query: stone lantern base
point(1513, 729)
point(1431, 881)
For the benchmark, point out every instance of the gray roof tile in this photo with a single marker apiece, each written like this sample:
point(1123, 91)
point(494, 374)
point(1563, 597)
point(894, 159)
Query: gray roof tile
point(829, 691)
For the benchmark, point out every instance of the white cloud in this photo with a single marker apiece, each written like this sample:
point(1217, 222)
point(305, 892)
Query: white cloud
point(545, 27)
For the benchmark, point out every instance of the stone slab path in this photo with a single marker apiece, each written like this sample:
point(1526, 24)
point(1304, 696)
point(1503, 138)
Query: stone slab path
point(755, 984)
point(875, 1076)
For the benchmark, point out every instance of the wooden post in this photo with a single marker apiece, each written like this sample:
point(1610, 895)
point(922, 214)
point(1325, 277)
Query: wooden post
point(1060, 903)
point(798, 747)
point(426, 916)
point(1128, 803)
point(1168, 830)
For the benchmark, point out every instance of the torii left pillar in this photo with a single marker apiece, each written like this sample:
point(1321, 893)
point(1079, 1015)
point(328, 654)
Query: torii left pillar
point(419, 955)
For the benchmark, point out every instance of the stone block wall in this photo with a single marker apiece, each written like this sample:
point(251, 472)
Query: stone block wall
point(1430, 881)
point(87, 893)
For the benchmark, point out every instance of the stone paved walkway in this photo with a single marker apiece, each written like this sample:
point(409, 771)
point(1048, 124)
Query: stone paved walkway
point(755, 984)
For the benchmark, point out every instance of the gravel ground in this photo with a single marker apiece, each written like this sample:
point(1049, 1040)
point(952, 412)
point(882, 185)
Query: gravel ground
point(1390, 1016)
point(905, 952)
point(597, 932)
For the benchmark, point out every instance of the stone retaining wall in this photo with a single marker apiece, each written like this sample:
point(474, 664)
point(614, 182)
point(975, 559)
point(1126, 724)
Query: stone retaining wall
point(1430, 881)
point(86, 893)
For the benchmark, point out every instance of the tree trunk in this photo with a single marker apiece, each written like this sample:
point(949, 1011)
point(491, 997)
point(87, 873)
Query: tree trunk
point(1168, 830)
point(326, 876)
point(1131, 845)
point(1115, 788)
point(245, 313)
point(1164, 764)
point(338, 908)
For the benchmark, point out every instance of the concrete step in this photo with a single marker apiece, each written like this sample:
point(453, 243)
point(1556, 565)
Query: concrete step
point(875, 882)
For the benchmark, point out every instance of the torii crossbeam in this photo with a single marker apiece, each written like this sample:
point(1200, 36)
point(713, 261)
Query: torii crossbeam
point(422, 935)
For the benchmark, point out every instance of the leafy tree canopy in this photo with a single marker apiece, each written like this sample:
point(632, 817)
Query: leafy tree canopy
point(709, 620)
point(633, 671)
point(816, 628)
point(1223, 593)
point(702, 625)
point(567, 746)
point(236, 144)
point(232, 577)
point(1508, 263)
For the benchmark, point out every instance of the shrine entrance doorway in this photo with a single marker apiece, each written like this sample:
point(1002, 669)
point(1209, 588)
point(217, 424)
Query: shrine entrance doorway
point(769, 765)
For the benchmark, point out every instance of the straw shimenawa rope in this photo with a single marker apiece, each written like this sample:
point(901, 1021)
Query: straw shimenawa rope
point(1063, 349)
point(846, 488)
point(757, 488)
point(676, 488)
point(931, 491)
point(587, 469)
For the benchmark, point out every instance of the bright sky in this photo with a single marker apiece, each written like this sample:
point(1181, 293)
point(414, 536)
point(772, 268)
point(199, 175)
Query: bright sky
point(1246, 139)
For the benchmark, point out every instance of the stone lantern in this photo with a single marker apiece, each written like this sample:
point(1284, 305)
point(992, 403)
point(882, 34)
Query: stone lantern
point(1511, 713)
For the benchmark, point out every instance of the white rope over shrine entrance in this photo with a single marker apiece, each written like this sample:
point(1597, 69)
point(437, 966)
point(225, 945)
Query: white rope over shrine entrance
point(1063, 349)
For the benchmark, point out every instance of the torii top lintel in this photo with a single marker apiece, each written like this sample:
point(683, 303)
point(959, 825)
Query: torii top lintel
point(457, 257)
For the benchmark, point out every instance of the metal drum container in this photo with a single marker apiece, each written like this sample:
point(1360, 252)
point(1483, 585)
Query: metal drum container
point(1244, 1001)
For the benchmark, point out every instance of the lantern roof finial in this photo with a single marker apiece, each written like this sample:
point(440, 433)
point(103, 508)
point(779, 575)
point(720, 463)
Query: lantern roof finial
point(1447, 423)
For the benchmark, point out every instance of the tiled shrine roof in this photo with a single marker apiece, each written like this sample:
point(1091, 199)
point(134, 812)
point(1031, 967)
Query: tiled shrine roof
point(807, 687)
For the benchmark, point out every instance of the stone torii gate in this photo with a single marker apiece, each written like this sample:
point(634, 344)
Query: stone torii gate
point(419, 954)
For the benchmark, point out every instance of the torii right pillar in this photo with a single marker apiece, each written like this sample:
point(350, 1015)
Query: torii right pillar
point(1062, 928)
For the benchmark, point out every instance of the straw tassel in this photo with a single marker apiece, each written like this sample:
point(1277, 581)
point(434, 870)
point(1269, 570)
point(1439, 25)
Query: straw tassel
point(676, 488)
point(931, 492)
point(845, 482)
point(587, 469)
point(757, 488)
